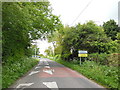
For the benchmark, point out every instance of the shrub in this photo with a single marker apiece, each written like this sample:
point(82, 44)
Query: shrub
point(103, 74)
point(113, 59)
point(99, 58)
point(105, 59)
point(14, 69)
point(65, 56)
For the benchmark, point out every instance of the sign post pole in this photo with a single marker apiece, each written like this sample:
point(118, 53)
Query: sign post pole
point(80, 60)
point(82, 54)
point(85, 58)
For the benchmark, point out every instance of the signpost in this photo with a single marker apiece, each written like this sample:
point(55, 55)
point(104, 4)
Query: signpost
point(82, 53)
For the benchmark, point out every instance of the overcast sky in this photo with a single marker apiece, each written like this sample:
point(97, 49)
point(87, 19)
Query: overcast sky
point(72, 12)
point(85, 10)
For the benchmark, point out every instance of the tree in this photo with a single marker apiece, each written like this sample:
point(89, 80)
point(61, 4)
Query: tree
point(88, 36)
point(111, 29)
point(23, 22)
point(118, 41)
point(49, 51)
point(92, 38)
point(34, 50)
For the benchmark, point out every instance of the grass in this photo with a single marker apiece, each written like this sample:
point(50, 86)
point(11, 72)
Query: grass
point(102, 74)
point(0, 76)
point(14, 70)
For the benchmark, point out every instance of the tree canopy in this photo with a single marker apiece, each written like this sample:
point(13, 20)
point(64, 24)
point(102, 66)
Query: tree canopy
point(88, 36)
point(111, 29)
point(23, 22)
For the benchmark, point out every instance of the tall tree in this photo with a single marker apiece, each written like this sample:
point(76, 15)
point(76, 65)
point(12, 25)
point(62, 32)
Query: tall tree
point(111, 29)
point(88, 36)
point(23, 22)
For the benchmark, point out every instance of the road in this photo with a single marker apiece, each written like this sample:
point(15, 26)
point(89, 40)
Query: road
point(51, 75)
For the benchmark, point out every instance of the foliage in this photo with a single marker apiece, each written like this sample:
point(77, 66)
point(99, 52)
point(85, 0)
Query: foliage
point(118, 36)
point(41, 55)
point(111, 29)
point(105, 59)
point(92, 38)
point(34, 49)
point(104, 75)
point(23, 22)
point(118, 41)
point(0, 76)
point(12, 70)
point(99, 58)
point(113, 59)
point(56, 39)
point(49, 51)
point(89, 36)
point(103, 66)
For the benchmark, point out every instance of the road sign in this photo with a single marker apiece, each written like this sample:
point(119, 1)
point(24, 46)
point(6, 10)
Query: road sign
point(82, 55)
point(82, 52)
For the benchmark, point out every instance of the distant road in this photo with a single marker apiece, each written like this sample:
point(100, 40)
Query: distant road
point(54, 76)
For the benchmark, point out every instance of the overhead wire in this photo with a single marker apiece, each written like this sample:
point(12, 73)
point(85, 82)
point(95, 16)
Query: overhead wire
point(82, 11)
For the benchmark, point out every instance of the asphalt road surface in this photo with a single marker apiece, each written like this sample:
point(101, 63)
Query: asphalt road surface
point(51, 75)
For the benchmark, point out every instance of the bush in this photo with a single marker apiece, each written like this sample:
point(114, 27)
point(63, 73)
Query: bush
point(14, 69)
point(113, 59)
point(99, 58)
point(105, 59)
point(65, 56)
point(103, 74)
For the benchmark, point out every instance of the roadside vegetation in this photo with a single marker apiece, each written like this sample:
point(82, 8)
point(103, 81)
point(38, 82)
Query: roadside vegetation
point(22, 24)
point(107, 76)
point(25, 22)
point(15, 69)
point(101, 42)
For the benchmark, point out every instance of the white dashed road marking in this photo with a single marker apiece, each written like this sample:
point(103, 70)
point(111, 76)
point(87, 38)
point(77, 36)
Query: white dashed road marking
point(52, 85)
point(24, 85)
point(33, 72)
point(46, 63)
point(37, 67)
point(50, 71)
point(47, 66)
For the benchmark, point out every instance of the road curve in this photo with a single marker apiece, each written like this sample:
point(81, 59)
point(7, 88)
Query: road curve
point(50, 75)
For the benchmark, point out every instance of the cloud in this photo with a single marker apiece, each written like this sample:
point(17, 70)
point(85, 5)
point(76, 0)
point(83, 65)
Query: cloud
point(98, 10)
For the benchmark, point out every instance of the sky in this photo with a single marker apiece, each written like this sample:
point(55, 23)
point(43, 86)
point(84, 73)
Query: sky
point(96, 10)
point(72, 12)
point(43, 45)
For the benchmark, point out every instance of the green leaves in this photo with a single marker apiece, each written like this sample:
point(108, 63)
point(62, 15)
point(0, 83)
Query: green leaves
point(105, 75)
point(24, 22)
point(13, 70)
point(88, 36)
point(111, 29)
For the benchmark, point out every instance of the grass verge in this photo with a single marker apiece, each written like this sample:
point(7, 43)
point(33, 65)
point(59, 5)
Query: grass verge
point(14, 70)
point(0, 76)
point(102, 74)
